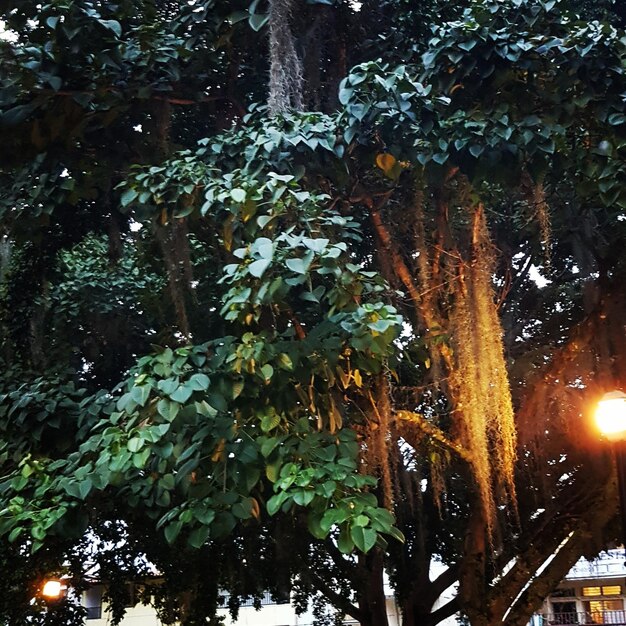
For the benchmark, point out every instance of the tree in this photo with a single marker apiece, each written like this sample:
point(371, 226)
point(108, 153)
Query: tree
point(308, 320)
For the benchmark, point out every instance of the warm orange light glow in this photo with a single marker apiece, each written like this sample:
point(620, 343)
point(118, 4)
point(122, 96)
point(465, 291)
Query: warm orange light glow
point(52, 589)
point(611, 415)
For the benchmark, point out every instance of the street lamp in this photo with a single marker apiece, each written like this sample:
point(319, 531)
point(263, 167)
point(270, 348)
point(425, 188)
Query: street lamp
point(53, 590)
point(611, 421)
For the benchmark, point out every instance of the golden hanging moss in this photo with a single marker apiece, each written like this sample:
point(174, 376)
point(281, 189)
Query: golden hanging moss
point(484, 415)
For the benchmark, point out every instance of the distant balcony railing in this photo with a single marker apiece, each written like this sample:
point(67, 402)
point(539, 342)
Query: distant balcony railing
point(584, 618)
point(93, 612)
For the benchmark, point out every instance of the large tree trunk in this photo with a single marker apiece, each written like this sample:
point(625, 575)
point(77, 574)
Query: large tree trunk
point(285, 89)
point(371, 595)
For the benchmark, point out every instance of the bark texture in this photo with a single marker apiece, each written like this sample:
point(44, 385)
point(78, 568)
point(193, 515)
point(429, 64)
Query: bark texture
point(286, 80)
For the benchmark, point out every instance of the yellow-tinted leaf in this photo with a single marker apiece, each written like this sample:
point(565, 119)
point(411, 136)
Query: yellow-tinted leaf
point(227, 234)
point(218, 452)
point(385, 161)
point(256, 511)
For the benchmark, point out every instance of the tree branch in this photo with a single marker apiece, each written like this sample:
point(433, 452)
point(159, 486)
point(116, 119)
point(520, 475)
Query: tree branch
point(444, 580)
point(408, 418)
point(399, 266)
point(447, 610)
point(338, 600)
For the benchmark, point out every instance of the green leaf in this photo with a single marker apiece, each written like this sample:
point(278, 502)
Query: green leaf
point(272, 471)
point(140, 394)
point(199, 536)
point(182, 394)
point(258, 20)
point(276, 501)
point(238, 386)
point(267, 371)
point(257, 268)
point(198, 382)
point(268, 446)
point(313, 524)
point(128, 197)
point(268, 423)
point(168, 386)
point(205, 516)
point(285, 362)
point(135, 444)
point(344, 542)
point(205, 409)
point(84, 488)
point(238, 195)
point(168, 409)
point(172, 530)
point(243, 509)
point(300, 266)
point(304, 497)
point(345, 93)
point(316, 245)
point(113, 26)
point(364, 538)
point(396, 534)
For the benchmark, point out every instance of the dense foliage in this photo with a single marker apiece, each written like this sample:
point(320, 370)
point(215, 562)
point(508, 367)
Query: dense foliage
point(307, 346)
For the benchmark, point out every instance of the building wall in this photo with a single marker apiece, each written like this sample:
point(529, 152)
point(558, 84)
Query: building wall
point(268, 615)
point(592, 592)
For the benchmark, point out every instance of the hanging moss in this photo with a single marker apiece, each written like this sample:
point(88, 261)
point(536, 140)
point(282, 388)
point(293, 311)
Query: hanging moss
point(484, 414)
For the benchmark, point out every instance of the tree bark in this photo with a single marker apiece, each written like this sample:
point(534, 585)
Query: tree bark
point(286, 82)
point(371, 595)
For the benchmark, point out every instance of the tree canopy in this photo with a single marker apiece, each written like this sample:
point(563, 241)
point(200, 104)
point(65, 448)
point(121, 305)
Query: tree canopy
point(295, 294)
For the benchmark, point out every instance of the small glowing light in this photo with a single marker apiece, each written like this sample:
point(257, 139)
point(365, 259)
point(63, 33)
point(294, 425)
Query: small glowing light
point(52, 589)
point(611, 415)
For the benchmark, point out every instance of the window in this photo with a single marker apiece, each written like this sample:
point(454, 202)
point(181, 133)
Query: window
point(605, 611)
point(564, 613)
point(608, 590)
point(92, 600)
point(567, 592)
point(592, 591)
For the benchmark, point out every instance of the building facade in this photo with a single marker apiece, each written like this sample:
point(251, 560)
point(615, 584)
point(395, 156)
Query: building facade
point(593, 592)
point(271, 613)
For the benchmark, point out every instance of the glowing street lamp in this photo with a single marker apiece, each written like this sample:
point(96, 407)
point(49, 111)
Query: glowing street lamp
point(611, 416)
point(611, 421)
point(53, 590)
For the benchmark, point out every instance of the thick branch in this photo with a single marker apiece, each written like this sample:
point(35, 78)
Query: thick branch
point(444, 580)
point(408, 419)
point(443, 612)
point(588, 506)
point(586, 538)
point(399, 266)
point(338, 600)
